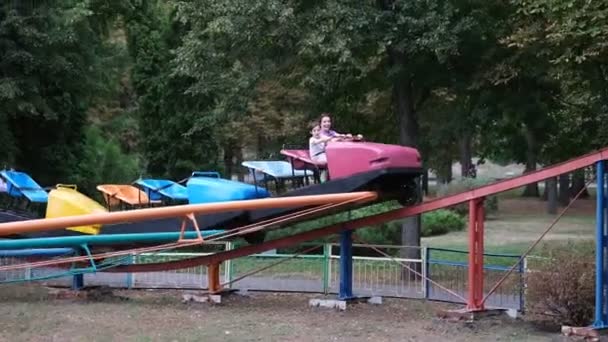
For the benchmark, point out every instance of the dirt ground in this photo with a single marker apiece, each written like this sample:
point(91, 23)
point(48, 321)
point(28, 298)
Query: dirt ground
point(29, 314)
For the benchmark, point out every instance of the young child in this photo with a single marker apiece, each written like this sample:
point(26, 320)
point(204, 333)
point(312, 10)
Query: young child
point(317, 144)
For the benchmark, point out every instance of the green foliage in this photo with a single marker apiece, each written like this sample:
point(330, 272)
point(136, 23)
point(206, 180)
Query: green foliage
point(433, 223)
point(52, 65)
point(179, 82)
point(441, 222)
point(466, 184)
point(103, 162)
point(569, 37)
point(7, 141)
point(567, 31)
point(167, 110)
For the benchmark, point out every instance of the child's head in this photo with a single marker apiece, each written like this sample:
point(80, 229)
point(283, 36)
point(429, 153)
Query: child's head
point(315, 129)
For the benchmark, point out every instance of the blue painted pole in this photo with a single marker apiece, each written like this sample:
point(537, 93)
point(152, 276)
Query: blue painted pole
point(78, 281)
point(605, 249)
point(599, 248)
point(346, 265)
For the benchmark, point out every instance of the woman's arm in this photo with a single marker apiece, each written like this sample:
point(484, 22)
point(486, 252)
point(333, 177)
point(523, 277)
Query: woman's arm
point(320, 140)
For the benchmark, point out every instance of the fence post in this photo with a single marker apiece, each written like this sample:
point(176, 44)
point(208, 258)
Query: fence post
point(426, 271)
point(346, 265)
point(78, 279)
point(28, 273)
point(326, 265)
point(228, 276)
point(522, 283)
point(129, 261)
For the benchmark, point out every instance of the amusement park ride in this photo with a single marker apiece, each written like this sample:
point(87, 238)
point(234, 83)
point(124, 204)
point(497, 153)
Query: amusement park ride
point(157, 214)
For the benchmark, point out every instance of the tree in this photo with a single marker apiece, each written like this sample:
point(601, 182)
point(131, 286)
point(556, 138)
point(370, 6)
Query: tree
point(167, 111)
point(570, 35)
point(52, 65)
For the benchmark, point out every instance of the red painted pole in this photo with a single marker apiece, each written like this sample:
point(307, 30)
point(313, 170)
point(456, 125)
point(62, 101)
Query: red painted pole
point(471, 270)
point(213, 278)
point(476, 218)
point(480, 249)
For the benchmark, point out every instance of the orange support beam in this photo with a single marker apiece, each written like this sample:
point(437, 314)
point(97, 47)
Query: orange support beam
point(30, 226)
point(476, 221)
point(213, 278)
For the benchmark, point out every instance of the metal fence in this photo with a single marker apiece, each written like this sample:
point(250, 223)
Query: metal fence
point(449, 268)
point(319, 273)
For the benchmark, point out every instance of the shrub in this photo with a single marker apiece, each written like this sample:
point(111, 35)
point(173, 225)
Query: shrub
point(465, 184)
point(441, 222)
point(389, 233)
point(562, 285)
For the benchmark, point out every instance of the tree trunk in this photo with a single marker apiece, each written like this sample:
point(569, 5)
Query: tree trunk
point(408, 136)
point(228, 154)
point(425, 182)
point(531, 190)
point(444, 173)
point(259, 148)
point(239, 168)
point(466, 155)
point(578, 184)
point(563, 195)
point(551, 190)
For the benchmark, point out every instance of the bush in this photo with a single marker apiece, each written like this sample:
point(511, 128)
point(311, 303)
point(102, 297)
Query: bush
point(465, 184)
point(434, 223)
point(562, 286)
point(440, 222)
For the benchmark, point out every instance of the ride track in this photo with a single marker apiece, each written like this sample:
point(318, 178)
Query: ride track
point(476, 299)
point(443, 202)
point(475, 198)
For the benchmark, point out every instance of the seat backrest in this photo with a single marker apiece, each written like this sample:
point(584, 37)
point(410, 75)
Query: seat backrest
point(132, 195)
point(300, 159)
point(20, 184)
point(274, 168)
point(116, 193)
point(109, 192)
point(154, 188)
